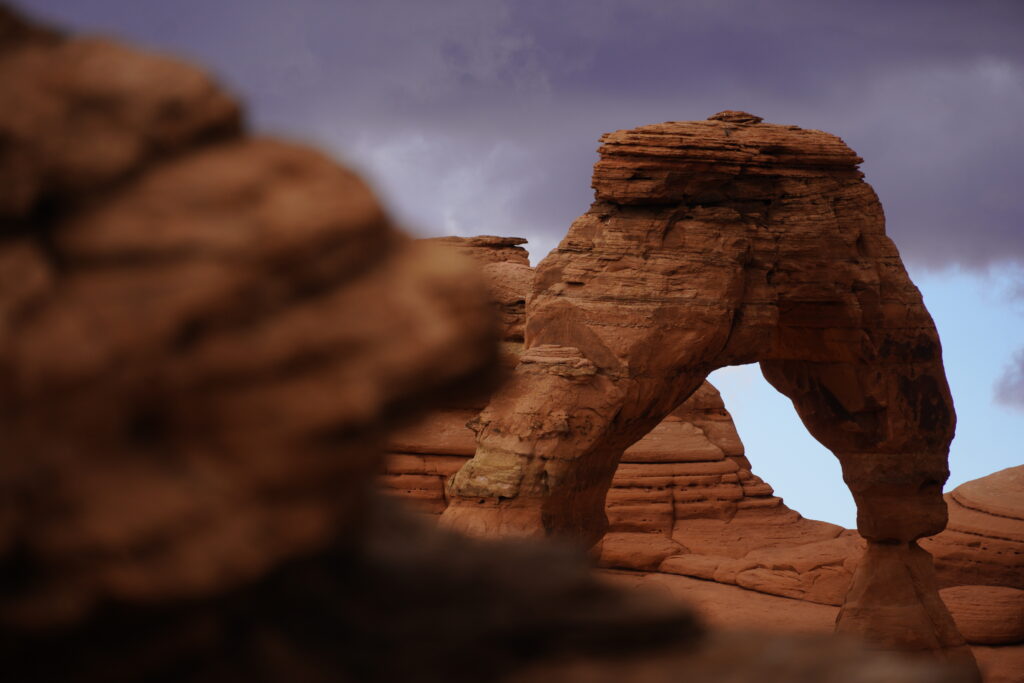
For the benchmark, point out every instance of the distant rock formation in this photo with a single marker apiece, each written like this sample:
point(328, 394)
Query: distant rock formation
point(984, 540)
point(506, 269)
point(987, 615)
point(980, 561)
point(683, 499)
point(714, 243)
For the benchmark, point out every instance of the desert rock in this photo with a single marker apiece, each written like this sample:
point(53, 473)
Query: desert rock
point(713, 243)
point(984, 540)
point(183, 314)
point(84, 122)
point(506, 269)
point(683, 499)
point(987, 615)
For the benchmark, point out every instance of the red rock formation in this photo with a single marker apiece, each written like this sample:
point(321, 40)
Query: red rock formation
point(203, 339)
point(724, 242)
point(987, 615)
point(81, 124)
point(984, 541)
point(506, 269)
point(980, 560)
point(683, 501)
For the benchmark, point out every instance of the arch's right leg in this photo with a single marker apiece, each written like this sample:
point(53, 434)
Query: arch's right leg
point(889, 423)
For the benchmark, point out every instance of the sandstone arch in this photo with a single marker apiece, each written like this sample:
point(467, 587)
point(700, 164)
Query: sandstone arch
point(715, 243)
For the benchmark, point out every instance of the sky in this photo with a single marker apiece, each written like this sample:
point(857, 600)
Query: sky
point(482, 117)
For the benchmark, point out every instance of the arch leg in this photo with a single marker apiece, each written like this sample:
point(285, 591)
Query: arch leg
point(890, 426)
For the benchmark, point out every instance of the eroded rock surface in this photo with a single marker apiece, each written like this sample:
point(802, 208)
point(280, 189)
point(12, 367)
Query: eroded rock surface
point(683, 499)
point(204, 337)
point(984, 540)
point(506, 268)
point(987, 615)
point(713, 243)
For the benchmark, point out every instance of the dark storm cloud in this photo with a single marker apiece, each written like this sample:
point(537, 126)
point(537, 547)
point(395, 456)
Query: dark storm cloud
point(482, 116)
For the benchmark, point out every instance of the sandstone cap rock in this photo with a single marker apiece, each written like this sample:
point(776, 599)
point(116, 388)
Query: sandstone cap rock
point(734, 116)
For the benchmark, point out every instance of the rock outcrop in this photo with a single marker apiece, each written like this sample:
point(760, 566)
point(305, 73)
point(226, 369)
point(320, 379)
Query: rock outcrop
point(713, 243)
point(506, 268)
point(683, 499)
point(984, 540)
point(204, 339)
point(987, 615)
point(980, 561)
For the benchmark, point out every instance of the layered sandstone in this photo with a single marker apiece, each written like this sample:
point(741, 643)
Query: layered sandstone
point(712, 243)
point(984, 540)
point(506, 269)
point(987, 615)
point(203, 338)
point(684, 500)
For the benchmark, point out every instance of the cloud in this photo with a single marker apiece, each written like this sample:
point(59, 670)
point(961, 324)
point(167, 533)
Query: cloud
point(1007, 285)
point(483, 115)
point(1010, 388)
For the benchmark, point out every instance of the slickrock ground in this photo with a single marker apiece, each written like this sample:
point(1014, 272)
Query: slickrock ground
point(734, 608)
point(205, 338)
point(735, 556)
point(712, 243)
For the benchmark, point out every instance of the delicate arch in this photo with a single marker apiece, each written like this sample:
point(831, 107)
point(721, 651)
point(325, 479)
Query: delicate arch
point(716, 243)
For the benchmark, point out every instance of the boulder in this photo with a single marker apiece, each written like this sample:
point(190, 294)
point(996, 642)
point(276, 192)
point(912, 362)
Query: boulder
point(987, 615)
point(984, 541)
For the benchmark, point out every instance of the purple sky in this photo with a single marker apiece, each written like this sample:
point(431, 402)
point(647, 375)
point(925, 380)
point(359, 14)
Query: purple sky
point(514, 94)
point(482, 116)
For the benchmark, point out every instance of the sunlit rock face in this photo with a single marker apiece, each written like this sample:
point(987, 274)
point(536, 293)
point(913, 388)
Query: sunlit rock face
point(683, 499)
point(713, 243)
point(684, 502)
